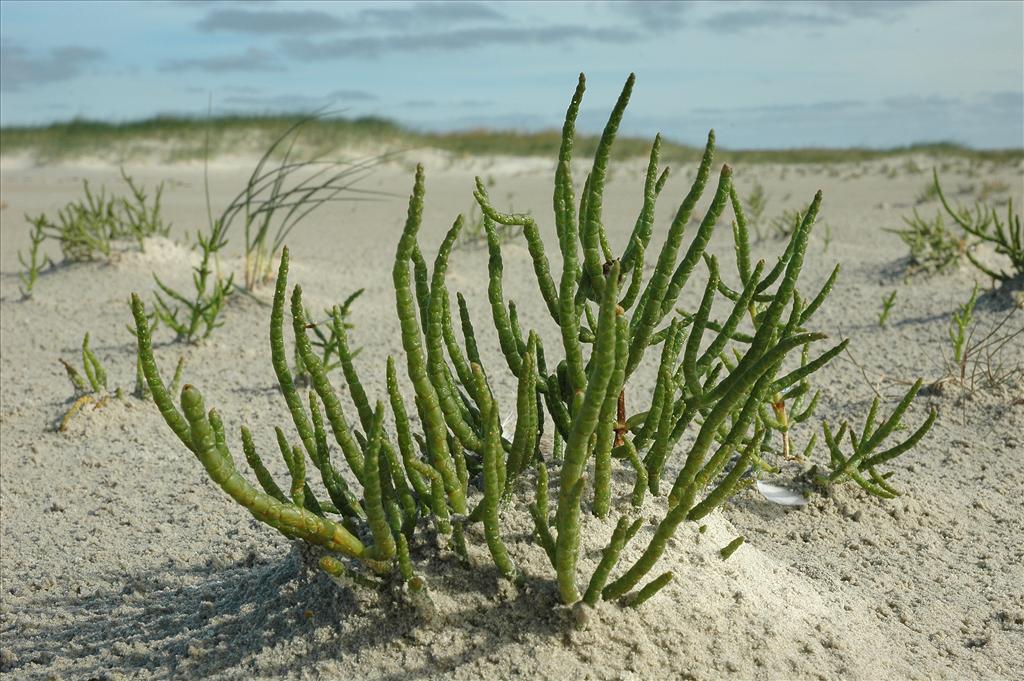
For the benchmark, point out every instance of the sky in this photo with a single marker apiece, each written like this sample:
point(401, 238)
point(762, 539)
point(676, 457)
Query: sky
point(764, 75)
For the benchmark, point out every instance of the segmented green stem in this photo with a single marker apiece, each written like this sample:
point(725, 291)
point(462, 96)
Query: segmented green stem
point(609, 557)
point(493, 490)
point(436, 366)
point(651, 588)
point(649, 311)
point(584, 424)
point(426, 395)
point(162, 399)
point(608, 421)
point(279, 359)
point(373, 500)
point(285, 517)
point(318, 377)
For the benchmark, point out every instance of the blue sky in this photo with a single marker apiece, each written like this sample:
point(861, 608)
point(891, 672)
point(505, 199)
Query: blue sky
point(784, 74)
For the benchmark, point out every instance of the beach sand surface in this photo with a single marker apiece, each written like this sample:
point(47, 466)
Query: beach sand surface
point(122, 560)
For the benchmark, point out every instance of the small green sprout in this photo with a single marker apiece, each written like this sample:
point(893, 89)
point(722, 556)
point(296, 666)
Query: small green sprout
point(861, 465)
point(36, 261)
point(959, 326)
point(927, 194)
point(730, 548)
point(887, 303)
point(194, 317)
point(826, 237)
point(755, 204)
point(783, 224)
point(89, 390)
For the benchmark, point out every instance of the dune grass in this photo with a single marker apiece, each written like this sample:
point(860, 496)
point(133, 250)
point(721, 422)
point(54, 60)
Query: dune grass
point(179, 138)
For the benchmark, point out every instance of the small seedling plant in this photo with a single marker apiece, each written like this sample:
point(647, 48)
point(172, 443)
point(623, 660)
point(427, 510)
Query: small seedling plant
point(887, 304)
point(194, 316)
point(89, 390)
point(783, 224)
point(868, 449)
point(927, 194)
point(92, 389)
point(756, 203)
point(717, 378)
point(934, 248)
point(89, 228)
point(959, 326)
point(984, 223)
point(36, 261)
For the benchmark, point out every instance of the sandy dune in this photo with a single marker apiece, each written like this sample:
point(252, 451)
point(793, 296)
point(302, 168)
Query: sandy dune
point(120, 559)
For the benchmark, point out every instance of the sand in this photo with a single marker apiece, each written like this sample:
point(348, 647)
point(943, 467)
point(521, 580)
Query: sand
point(120, 559)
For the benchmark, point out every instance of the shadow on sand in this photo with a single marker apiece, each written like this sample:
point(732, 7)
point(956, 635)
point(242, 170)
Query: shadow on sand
point(199, 623)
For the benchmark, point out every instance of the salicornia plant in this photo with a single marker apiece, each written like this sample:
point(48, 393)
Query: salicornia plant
point(87, 229)
point(89, 390)
point(887, 303)
point(756, 202)
point(866, 455)
point(715, 379)
point(194, 316)
point(933, 247)
point(143, 219)
point(36, 259)
point(785, 223)
point(983, 222)
point(959, 326)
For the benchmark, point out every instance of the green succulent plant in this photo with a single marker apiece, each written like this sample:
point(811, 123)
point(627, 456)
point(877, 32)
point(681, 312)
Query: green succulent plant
point(88, 228)
point(984, 224)
point(714, 380)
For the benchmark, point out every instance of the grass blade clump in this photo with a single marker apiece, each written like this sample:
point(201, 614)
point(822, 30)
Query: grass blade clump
point(272, 203)
point(276, 198)
point(728, 384)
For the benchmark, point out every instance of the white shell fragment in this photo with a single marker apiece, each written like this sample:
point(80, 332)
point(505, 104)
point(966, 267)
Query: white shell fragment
point(782, 496)
point(508, 426)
